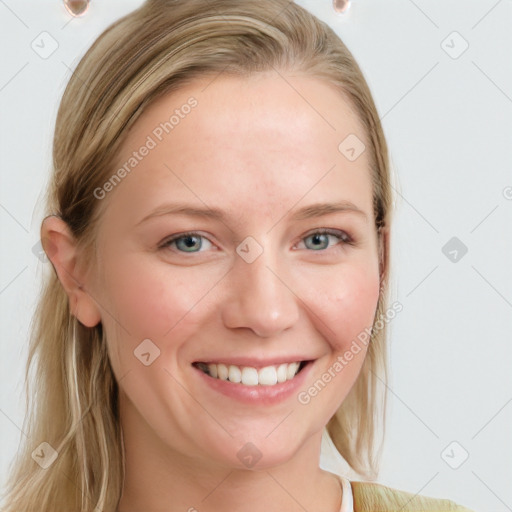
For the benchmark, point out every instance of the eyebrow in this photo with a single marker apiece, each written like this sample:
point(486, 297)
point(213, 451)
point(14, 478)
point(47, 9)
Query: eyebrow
point(308, 212)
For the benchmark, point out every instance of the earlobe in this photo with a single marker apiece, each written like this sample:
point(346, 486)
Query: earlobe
point(60, 246)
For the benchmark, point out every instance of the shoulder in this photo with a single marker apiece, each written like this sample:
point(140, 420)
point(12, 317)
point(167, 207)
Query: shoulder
point(373, 497)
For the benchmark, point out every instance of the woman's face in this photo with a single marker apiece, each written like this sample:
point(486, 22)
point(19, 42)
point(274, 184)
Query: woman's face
point(255, 286)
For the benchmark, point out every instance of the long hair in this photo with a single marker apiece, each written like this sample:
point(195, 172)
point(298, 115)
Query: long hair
point(72, 395)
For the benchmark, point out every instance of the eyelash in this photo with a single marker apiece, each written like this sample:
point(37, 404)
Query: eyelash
point(342, 236)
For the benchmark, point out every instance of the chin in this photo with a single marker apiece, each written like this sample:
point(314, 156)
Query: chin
point(259, 452)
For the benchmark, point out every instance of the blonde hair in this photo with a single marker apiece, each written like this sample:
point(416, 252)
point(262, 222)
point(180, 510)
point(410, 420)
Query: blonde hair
point(154, 50)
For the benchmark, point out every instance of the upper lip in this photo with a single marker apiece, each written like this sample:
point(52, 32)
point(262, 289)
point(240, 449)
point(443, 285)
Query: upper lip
point(255, 362)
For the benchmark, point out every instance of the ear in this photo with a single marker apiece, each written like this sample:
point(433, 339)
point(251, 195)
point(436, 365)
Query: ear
point(60, 246)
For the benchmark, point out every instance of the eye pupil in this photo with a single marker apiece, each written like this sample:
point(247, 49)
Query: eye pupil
point(318, 239)
point(191, 241)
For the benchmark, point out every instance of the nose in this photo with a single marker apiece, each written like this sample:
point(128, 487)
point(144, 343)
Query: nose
point(260, 298)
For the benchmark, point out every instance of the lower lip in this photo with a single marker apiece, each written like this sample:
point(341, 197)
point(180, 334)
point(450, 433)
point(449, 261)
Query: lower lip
point(262, 395)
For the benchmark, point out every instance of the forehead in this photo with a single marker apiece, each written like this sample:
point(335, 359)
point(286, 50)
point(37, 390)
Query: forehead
point(268, 137)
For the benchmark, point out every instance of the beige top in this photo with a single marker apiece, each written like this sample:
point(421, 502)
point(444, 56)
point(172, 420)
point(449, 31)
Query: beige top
point(370, 496)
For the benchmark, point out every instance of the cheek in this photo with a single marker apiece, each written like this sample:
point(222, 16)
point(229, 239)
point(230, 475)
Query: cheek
point(345, 305)
point(150, 300)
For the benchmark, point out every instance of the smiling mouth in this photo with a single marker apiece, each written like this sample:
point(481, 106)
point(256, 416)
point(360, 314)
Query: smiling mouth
point(250, 376)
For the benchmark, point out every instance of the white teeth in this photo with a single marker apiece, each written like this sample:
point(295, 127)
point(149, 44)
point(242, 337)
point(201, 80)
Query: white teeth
point(235, 374)
point(291, 370)
point(268, 376)
point(212, 369)
point(249, 376)
point(222, 371)
point(282, 374)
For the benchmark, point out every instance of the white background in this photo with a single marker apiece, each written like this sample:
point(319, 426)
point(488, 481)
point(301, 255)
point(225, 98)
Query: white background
point(448, 121)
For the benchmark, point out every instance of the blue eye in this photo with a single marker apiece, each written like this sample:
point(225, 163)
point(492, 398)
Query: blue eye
point(193, 242)
point(186, 242)
point(320, 238)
